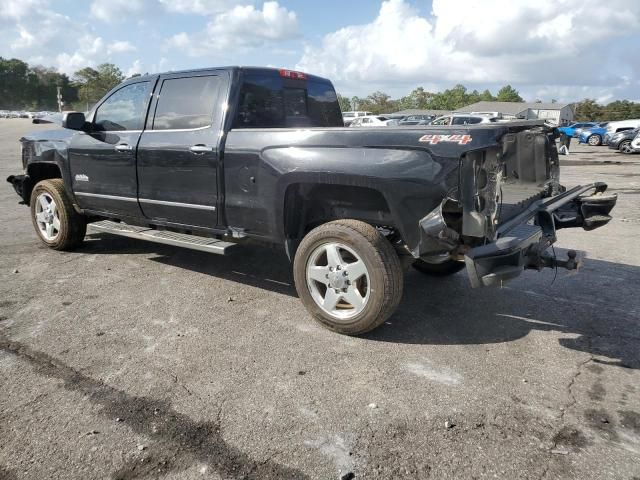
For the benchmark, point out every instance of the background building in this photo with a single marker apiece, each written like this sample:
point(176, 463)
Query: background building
point(558, 113)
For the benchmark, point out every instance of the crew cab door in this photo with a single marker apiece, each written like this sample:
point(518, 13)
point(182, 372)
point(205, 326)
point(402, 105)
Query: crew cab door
point(102, 159)
point(178, 156)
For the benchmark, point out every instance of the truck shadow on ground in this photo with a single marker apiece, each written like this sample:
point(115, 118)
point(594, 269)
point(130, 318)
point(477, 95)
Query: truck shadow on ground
point(255, 265)
point(598, 308)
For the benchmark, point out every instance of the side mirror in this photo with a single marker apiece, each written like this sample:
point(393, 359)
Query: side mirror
point(73, 120)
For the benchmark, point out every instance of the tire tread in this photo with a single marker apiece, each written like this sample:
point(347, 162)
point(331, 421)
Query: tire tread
point(68, 238)
point(392, 271)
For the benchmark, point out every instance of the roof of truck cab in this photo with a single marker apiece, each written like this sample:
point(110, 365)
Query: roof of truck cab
point(248, 69)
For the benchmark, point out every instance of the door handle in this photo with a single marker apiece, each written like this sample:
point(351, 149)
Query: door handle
point(200, 149)
point(123, 147)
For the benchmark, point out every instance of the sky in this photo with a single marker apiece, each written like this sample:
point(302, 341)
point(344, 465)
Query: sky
point(547, 49)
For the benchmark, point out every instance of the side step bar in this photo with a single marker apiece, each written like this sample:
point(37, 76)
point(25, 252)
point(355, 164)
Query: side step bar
point(193, 242)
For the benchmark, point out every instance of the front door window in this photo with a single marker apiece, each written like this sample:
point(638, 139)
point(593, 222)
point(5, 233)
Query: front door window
point(124, 110)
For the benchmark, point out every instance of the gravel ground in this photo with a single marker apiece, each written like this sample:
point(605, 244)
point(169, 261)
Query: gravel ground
point(128, 359)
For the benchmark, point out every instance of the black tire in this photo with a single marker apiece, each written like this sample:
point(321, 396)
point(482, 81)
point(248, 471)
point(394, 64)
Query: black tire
point(448, 267)
point(594, 140)
point(73, 226)
point(382, 263)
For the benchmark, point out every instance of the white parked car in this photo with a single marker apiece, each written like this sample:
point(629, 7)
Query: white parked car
point(614, 127)
point(373, 121)
point(464, 119)
point(619, 126)
point(348, 117)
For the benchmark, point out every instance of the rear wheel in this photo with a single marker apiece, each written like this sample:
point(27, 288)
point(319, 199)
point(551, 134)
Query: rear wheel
point(441, 269)
point(625, 147)
point(348, 276)
point(56, 222)
point(594, 140)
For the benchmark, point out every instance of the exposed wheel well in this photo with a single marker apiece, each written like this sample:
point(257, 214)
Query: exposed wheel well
point(38, 172)
point(308, 205)
point(43, 171)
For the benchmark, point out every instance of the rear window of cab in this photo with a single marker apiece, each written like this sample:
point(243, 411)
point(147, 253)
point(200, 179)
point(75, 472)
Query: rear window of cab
point(270, 101)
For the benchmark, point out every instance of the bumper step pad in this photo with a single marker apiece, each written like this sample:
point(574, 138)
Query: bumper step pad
point(193, 242)
point(523, 240)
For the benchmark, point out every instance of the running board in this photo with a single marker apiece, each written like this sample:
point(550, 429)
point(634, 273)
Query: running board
point(193, 242)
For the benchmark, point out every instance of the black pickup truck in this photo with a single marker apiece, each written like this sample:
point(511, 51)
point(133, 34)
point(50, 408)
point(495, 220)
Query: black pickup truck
point(206, 158)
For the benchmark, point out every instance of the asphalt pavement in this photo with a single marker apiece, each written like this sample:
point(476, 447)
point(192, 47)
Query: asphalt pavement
point(127, 359)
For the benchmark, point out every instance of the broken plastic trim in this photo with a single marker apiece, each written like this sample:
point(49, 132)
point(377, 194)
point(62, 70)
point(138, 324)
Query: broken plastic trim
point(436, 238)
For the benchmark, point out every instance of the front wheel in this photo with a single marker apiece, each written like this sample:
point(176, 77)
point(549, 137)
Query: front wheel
point(594, 140)
point(348, 276)
point(625, 147)
point(56, 222)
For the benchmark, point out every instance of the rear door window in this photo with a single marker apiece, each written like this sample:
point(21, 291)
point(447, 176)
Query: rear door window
point(186, 103)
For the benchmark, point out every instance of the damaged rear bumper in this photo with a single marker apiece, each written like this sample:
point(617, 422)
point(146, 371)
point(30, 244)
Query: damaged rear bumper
point(523, 240)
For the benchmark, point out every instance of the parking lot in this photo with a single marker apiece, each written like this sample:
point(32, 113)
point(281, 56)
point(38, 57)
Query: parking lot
point(127, 359)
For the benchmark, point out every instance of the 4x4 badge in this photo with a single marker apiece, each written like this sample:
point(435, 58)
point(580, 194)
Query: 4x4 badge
point(434, 139)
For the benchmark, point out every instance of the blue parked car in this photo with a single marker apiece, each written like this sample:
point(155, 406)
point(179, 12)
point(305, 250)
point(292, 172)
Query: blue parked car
point(593, 136)
point(572, 130)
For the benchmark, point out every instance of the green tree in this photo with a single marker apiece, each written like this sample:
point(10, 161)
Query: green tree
point(487, 96)
point(345, 103)
point(13, 83)
point(417, 99)
point(32, 87)
point(450, 99)
point(379, 102)
point(621, 110)
point(94, 83)
point(474, 97)
point(508, 94)
point(356, 103)
point(588, 110)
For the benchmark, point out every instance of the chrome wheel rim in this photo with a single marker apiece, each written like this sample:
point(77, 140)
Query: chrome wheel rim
point(594, 140)
point(47, 217)
point(626, 147)
point(338, 280)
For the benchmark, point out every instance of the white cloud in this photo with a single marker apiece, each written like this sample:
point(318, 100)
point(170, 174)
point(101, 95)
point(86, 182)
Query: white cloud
point(16, 9)
point(135, 68)
point(200, 7)
point(239, 28)
point(120, 46)
point(115, 10)
point(492, 42)
point(138, 66)
point(39, 35)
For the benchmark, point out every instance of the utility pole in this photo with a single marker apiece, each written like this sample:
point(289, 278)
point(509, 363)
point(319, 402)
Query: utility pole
point(60, 102)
